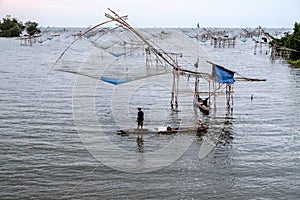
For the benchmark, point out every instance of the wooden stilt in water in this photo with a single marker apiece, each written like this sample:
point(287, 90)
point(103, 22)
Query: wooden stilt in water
point(215, 94)
point(232, 99)
point(229, 97)
point(209, 92)
point(175, 89)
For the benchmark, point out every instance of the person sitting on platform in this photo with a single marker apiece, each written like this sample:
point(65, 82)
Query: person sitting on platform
point(169, 128)
point(205, 101)
point(200, 125)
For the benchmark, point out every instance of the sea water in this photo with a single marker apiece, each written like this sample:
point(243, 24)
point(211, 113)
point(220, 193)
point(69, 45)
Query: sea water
point(249, 152)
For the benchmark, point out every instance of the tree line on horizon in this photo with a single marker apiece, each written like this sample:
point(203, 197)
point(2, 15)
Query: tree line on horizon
point(12, 27)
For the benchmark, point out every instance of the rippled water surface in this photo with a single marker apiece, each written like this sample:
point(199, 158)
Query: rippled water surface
point(251, 153)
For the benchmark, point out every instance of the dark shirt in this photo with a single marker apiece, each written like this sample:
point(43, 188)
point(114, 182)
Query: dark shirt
point(140, 116)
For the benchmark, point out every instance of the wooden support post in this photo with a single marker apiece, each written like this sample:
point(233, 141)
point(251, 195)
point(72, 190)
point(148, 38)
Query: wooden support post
point(177, 90)
point(209, 92)
point(215, 94)
point(173, 90)
point(196, 85)
point(232, 99)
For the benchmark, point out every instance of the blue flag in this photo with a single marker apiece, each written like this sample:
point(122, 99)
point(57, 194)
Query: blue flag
point(198, 25)
point(223, 75)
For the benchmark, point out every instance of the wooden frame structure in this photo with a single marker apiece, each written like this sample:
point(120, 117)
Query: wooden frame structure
point(166, 59)
point(161, 56)
point(28, 40)
point(276, 50)
point(223, 41)
point(170, 59)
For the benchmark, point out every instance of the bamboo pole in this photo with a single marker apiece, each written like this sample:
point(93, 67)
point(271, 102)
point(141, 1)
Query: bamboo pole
point(162, 55)
point(173, 90)
point(232, 99)
point(209, 92)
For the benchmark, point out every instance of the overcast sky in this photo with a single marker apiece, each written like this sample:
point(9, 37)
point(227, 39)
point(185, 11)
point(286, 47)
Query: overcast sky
point(157, 13)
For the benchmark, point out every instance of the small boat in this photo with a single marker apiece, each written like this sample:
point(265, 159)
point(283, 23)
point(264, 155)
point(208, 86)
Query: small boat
point(202, 104)
point(125, 132)
point(202, 128)
point(163, 130)
point(183, 130)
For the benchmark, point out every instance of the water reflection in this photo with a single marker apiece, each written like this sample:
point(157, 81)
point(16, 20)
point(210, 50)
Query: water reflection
point(140, 144)
point(215, 150)
point(220, 132)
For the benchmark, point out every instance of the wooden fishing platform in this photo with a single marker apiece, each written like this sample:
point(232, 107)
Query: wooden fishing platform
point(219, 80)
point(223, 41)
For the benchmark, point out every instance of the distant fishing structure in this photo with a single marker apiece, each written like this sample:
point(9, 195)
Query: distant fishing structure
point(46, 34)
point(219, 39)
point(28, 40)
point(264, 42)
point(223, 41)
point(266, 39)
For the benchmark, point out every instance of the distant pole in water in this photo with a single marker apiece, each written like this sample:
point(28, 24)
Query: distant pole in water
point(251, 97)
point(197, 37)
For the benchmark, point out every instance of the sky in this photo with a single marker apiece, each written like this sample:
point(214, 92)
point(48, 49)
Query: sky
point(157, 13)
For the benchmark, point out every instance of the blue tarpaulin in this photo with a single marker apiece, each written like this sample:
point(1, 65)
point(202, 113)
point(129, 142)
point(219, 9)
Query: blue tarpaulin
point(115, 81)
point(117, 54)
point(223, 75)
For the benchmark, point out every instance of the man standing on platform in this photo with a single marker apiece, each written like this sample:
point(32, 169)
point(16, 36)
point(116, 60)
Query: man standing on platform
point(140, 118)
